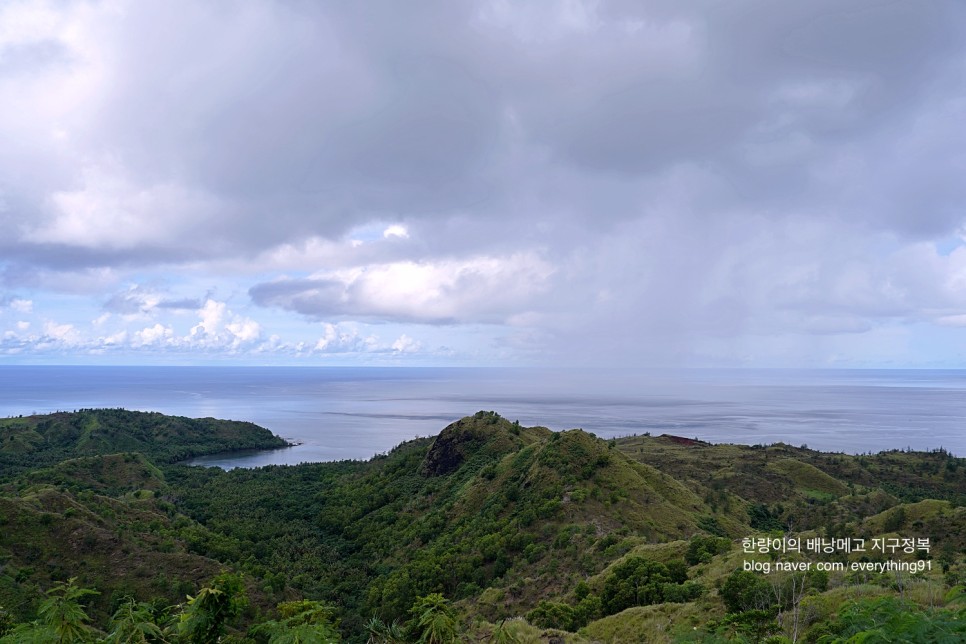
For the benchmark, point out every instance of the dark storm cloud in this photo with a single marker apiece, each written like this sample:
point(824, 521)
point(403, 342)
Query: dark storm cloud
point(295, 119)
point(315, 297)
point(301, 119)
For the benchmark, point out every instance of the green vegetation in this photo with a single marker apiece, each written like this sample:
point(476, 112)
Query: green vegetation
point(488, 532)
point(29, 442)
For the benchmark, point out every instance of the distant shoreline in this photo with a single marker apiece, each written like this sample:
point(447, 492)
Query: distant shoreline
point(340, 413)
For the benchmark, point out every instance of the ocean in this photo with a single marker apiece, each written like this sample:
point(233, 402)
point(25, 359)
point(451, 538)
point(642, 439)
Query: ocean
point(337, 413)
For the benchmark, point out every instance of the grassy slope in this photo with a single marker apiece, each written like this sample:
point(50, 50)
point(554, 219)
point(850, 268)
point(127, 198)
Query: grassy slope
point(801, 488)
point(104, 517)
point(111, 531)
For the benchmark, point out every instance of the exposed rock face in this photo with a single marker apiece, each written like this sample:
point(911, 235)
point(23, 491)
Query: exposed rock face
point(485, 437)
point(454, 445)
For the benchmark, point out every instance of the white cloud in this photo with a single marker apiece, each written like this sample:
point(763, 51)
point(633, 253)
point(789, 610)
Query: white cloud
point(117, 339)
point(340, 339)
point(153, 335)
point(220, 328)
point(64, 334)
point(219, 331)
point(243, 330)
point(478, 289)
point(405, 344)
point(110, 211)
point(212, 314)
point(396, 230)
point(21, 305)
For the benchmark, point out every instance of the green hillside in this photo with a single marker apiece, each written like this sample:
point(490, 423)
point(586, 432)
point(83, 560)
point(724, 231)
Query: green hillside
point(495, 531)
point(29, 442)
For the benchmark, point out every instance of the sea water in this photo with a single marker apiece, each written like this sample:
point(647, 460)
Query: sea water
point(337, 413)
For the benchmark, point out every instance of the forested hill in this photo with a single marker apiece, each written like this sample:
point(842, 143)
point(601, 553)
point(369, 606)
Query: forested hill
point(488, 532)
point(28, 442)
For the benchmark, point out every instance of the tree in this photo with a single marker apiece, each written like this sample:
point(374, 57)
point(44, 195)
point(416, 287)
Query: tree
point(380, 632)
point(206, 617)
point(895, 521)
point(587, 610)
point(63, 613)
point(796, 586)
point(678, 571)
point(134, 622)
point(888, 619)
point(434, 621)
point(61, 618)
point(550, 614)
point(6, 622)
point(302, 622)
point(635, 582)
point(754, 624)
point(702, 549)
point(743, 591)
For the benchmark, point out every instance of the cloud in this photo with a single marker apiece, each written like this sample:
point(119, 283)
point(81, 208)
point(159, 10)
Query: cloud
point(157, 334)
point(256, 127)
point(479, 289)
point(219, 333)
point(220, 328)
point(338, 339)
point(110, 212)
point(138, 299)
point(396, 230)
point(609, 180)
point(18, 304)
point(244, 330)
point(60, 333)
point(405, 344)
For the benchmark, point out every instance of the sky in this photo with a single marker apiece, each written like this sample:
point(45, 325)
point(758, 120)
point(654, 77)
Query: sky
point(555, 183)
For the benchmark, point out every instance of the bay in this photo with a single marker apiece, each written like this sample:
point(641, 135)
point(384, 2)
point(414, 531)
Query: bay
point(336, 413)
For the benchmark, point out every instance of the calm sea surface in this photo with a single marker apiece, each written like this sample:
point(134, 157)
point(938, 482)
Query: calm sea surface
point(342, 413)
